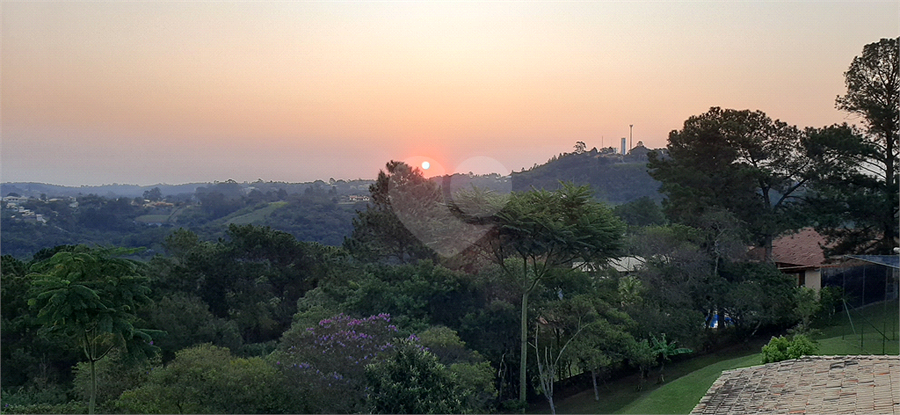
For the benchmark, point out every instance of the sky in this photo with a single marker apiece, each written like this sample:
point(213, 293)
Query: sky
point(171, 92)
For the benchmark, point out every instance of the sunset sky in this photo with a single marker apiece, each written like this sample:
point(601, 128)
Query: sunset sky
point(177, 92)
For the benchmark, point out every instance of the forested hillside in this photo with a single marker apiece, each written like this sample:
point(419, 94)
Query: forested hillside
point(615, 179)
point(318, 212)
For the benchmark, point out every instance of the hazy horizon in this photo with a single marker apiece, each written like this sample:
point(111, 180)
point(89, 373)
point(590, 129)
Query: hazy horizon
point(185, 92)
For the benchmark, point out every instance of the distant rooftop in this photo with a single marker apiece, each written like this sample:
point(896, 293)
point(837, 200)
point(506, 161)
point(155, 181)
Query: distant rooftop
point(809, 385)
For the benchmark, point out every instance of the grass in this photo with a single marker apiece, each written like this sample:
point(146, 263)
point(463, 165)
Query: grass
point(256, 216)
point(689, 380)
point(861, 332)
point(622, 396)
point(681, 395)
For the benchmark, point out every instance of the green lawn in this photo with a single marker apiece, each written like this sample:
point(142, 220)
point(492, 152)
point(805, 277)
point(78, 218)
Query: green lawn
point(681, 395)
point(861, 331)
point(256, 216)
point(688, 381)
point(622, 396)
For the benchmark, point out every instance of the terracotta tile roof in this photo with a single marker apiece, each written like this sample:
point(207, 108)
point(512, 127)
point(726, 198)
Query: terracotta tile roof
point(803, 248)
point(809, 385)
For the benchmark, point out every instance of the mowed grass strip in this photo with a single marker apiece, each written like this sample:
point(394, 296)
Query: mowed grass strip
point(681, 395)
point(257, 216)
point(622, 394)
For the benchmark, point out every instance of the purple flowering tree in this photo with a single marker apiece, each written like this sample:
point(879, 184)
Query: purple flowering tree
point(327, 362)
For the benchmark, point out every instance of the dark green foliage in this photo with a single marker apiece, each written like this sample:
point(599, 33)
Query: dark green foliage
point(742, 162)
point(782, 348)
point(70, 407)
point(756, 295)
point(314, 216)
point(153, 195)
point(412, 381)
point(614, 180)
point(187, 321)
point(470, 368)
point(422, 294)
point(378, 232)
point(254, 277)
point(31, 358)
point(542, 231)
point(206, 379)
point(640, 212)
point(220, 199)
point(664, 350)
point(855, 199)
point(873, 82)
point(95, 220)
point(91, 296)
point(107, 214)
point(115, 374)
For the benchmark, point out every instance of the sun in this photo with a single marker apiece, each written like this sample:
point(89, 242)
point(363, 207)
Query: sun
point(428, 166)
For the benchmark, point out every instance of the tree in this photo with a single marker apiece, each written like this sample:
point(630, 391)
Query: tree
point(209, 379)
point(92, 296)
point(665, 349)
point(329, 359)
point(379, 234)
point(856, 199)
point(603, 342)
point(411, 380)
point(115, 374)
point(544, 230)
point(254, 277)
point(739, 161)
point(153, 195)
point(579, 147)
point(640, 212)
point(548, 365)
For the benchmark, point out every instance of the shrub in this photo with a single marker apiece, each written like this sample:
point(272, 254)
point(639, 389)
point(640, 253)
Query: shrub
point(209, 379)
point(412, 381)
point(782, 348)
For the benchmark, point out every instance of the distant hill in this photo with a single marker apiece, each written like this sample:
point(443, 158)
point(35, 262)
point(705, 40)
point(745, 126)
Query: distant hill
point(107, 190)
point(342, 187)
point(615, 178)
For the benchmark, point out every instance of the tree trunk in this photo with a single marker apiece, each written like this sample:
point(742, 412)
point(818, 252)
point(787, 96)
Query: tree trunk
point(891, 187)
point(594, 379)
point(662, 377)
point(93, 388)
point(523, 359)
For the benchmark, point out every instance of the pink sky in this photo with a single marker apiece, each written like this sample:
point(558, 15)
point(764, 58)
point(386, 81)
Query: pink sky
point(176, 92)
